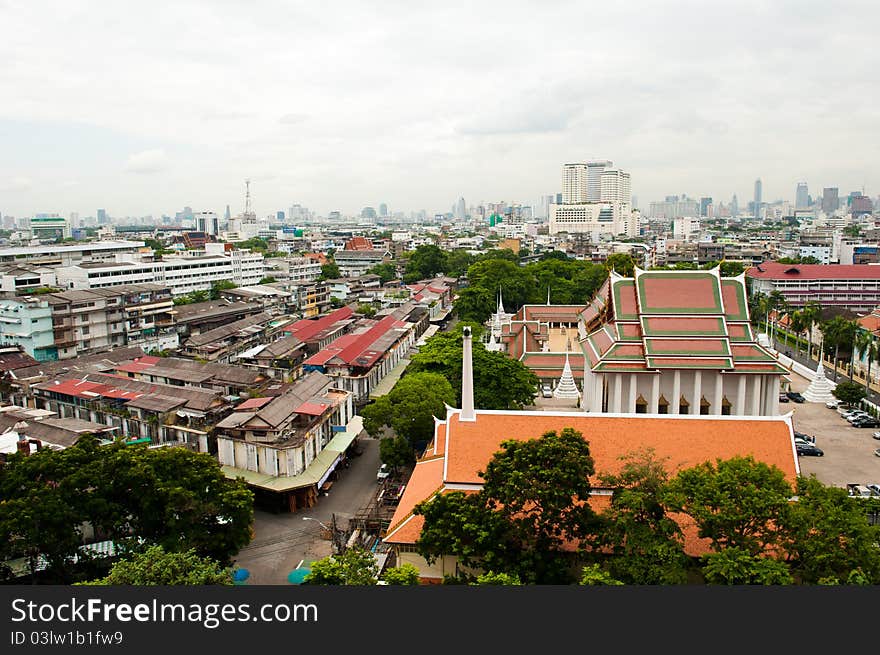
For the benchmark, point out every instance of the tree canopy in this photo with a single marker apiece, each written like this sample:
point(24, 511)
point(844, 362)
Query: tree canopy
point(850, 393)
point(156, 566)
point(355, 567)
point(171, 497)
point(531, 507)
point(499, 381)
point(410, 407)
point(386, 272)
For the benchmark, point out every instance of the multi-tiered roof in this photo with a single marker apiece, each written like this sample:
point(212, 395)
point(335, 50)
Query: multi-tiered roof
point(672, 320)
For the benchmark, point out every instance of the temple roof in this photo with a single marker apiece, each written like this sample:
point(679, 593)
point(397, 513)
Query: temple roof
point(672, 319)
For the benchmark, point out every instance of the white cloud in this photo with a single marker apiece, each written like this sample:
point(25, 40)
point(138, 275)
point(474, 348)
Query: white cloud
point(18, 183)
point(147, 162)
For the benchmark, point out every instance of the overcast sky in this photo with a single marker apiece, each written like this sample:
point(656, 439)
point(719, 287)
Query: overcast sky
point(142, 108)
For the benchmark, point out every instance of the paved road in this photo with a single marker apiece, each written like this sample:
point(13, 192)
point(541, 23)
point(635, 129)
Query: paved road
point(282, 541)
point(848, 451)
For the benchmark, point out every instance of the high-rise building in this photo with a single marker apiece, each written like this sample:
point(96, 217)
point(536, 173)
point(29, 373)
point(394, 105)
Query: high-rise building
point(802, 196)
point(460, 209)
point(207, 222)
point(830, 201)
point(574, 184)
point(594, 179)
point(758, 193)
point(383, 209)
point(705, 204)
point(102, 217)
point(279, 216)
point(734, 206)
point(228, 213)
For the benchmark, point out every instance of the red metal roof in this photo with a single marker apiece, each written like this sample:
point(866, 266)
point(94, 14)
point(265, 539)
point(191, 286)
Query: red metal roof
point(312, 409)
point(139, 364)
point(307, 328)
point(253, 403)
point(777, 271)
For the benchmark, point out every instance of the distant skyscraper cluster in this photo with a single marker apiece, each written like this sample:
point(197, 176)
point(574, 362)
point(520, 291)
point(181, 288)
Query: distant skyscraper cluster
point(596, 198)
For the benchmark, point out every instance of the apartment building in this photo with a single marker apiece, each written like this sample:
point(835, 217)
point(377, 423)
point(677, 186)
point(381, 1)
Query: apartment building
point(69, 255)
point(26, 321)
point(90, 321)
point(855, 287)
point(300, 270)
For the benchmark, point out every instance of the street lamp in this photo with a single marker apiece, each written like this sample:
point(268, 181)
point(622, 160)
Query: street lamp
point(309, 518)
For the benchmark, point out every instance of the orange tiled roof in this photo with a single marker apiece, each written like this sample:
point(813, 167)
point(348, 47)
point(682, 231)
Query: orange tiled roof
point(682, 441)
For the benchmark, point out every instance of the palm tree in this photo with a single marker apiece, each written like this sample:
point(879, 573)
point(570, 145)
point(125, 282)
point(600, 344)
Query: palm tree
point(867, 346)
point(838, 331)
point(811, 313)
point(798, 325)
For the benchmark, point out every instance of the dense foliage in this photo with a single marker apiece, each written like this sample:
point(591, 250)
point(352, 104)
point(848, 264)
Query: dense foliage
point(156, 566)
point(130, 494)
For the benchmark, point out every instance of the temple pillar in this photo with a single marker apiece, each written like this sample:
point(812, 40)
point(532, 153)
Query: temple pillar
point(773, 395)
point(654, 407)
point(739, 406)
point(719, 394)
point(633, 393)
point(618, 393)
point(676, 392)
point(756, 395)
point(698, 392)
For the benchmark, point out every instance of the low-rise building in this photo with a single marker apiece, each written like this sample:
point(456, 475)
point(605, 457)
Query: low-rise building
point(222, 343)
point(26, 321)
point(854, 287)
point(288, 446)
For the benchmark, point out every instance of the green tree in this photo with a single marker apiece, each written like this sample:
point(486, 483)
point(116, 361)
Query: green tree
point(397, 452)
point(499, 381)
point(156, 566)
point(514, 282)
point(851, 231)
point(474, 304)
point(838, 332)
point(595, 575)
point(828, 535)
point(267, 280)
point(731, 269)
point(410, 407)
point(458, 261)
point(329, 271)
point(621, 263)
point(532, 506)
point(811, 313)
point(355, 567)
point(739, 566)
point(218, 286)
point(386, 272)
point(850, 393)
point(366, 309)
point(867, 348)
point(405, 574)
point(735, 503)
point(424, 262)
point(492, 579)
point(646, 545)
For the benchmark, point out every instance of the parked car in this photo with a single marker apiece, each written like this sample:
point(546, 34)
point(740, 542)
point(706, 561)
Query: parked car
point(852, 416)
point(858, 490)
point(804, 437)
point(382, 473)
point(808, 449)
point(832, 404)
point(795, 396)
point(866, 422)
point(876, 435)
point(875, 488)
point(783, 398)
point(546, 391)
point(877, 452)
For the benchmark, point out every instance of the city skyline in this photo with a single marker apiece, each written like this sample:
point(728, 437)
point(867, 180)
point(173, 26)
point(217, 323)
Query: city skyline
point(114, 110)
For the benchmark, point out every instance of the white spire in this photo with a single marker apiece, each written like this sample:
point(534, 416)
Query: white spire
point(820, 388)
point(467, 377)
point(501, 311)
point(548, 294)
point(566, 387)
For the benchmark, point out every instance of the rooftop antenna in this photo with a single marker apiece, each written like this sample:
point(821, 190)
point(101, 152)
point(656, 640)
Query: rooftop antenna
point(247, 196)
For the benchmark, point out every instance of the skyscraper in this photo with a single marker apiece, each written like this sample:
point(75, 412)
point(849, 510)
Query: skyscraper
point(594, 179)
point(574, 183)
point(705, 203)
point(228, 214)
point(734, 206)
point(758, 189)
point(802, 196)
point(460, 209)
point(383, 209)
point(830, 201)
point(102, 216)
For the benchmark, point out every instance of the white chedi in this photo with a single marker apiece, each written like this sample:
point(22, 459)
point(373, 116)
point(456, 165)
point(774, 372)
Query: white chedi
point(820, 387)
point(566, 387)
